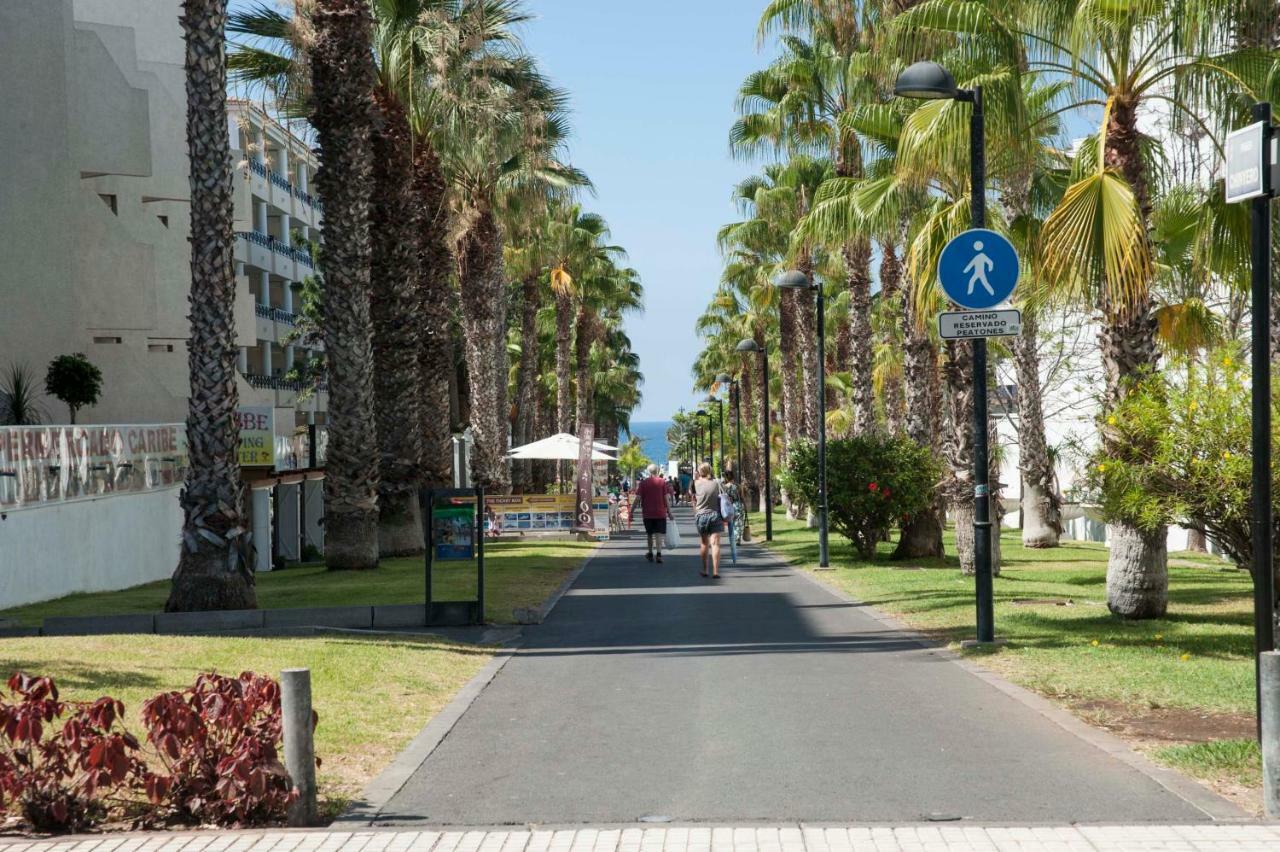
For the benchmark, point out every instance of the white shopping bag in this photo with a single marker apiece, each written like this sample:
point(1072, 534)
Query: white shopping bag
point(673, 535)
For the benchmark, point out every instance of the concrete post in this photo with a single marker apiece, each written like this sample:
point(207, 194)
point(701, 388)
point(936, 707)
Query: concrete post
point(286, 297)
point(290, 544)
point(260, 141)
point(260, 216)
point(1269, 682)
point(264, 288)
point(266, 358)
point(299, 747)
point(286, 223)
point(288, 358)
point(242, 359)
point(261, 528)
point(313, 512)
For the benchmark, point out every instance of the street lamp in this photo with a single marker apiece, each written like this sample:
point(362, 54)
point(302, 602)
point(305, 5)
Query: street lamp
point(930, 81)
point(720, 404)
point(705, 448)
point(735, 393)
point(796, 280)
point(751, 346)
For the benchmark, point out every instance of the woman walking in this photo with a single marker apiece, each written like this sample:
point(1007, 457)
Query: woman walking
point(705, 496)
point(731, 510)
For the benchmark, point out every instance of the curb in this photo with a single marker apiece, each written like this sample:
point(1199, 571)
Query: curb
point(1197, 795)
point(378, 792)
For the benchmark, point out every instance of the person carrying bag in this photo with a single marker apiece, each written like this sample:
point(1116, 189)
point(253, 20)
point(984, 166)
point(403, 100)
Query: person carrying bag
point(706, 508)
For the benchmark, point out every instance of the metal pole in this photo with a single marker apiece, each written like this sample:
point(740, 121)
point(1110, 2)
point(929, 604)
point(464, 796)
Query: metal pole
point(480, 556)
point(768, 475)
point(736, 389)
point(428, 537)
point(720, 405)
point(981, 478)
point(823, 554)
point(1264, 593)
point(299, 746)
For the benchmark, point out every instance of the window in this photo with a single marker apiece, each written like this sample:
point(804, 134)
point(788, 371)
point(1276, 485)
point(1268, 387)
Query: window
point(159, 347)
point(108, 340)
point(110, 201)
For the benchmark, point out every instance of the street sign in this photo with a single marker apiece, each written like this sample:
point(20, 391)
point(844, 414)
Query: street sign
point(1246, 163)
point(964, 325)
point(978, 269)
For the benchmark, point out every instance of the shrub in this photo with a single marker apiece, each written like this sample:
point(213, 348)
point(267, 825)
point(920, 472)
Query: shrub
point(872, 483)
point(218, 742)
point(1178, 450)
point(58, 778)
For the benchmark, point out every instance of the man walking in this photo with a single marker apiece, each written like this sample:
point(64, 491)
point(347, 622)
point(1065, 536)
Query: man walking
point(651, 494)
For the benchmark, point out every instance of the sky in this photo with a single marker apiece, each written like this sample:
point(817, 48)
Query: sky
point(652, 85)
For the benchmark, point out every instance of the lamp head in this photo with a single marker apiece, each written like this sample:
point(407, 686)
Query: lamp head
point(926, 81)
point(794, 280)
point(748, 346)
point(702, 413)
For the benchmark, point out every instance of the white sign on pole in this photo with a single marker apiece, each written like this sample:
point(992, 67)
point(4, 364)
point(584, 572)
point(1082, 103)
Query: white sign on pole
point(1246, 159)
point(964, 325)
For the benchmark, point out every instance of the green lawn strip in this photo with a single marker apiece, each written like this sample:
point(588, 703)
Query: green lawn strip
point(373, 695)
point(1237, 761)
point(1198, 657)
point(518, 574)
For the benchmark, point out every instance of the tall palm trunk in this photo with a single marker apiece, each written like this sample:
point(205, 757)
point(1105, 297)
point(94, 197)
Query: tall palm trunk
point(1137, 568)
point(857, 260)
point(752, 473)
point(212, 572)
point(921, 534)
point(342, 76)
point(958, 447)
point(394, 308)
point(522, 471)
point(895, 412)
point(484, 322)
point(435, 351)
point(564, 337)
point(584, 337)
point(807, 332)
point(1041, 516)
point(792, 406)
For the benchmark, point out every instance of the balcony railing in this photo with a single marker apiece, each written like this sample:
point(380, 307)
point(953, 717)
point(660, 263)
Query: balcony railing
point(275, 314)
point(256, 237)
point(304, 257)
point(269, 242)
point(257, 380)
point(279, 180)
point(257, 168)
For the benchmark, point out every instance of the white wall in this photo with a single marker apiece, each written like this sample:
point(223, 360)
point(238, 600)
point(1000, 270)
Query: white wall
point(88, 546)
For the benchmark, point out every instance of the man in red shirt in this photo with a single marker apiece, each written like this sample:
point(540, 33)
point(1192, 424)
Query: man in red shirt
point(651, 494)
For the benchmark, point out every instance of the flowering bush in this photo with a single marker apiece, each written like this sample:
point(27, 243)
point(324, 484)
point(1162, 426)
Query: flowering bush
point(57, 777)
point(1177, 450)
point(218, 739)
point(873, 482)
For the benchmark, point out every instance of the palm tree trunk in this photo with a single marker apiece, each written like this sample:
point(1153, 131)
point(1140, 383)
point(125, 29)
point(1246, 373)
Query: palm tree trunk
point(342, 75)
point(1137, 570)
point(436, 296)
point(484, 321)
point(792, 407)
point(522, 471)
point(958, 489)
point(394, 308)
point(894, 393)
point(922, 534)
point(212, 570)
point(857, 261)
point(752, 473)
point(807, 331)
point(584, 337)
point(1041, 519)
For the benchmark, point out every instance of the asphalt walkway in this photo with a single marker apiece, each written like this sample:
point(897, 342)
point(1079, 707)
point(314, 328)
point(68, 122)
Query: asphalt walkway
point(652, 693)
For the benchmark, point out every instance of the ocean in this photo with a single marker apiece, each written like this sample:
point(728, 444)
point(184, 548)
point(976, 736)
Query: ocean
point(653, 435)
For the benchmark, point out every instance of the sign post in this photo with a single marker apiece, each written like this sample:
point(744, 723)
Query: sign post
point(978, 270)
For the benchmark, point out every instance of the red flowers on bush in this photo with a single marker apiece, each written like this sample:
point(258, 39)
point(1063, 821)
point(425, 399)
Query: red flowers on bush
point(58, 781)
point(217, 741)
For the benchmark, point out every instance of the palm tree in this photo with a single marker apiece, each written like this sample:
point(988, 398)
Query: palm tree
point(342, 77)
point(212, 572)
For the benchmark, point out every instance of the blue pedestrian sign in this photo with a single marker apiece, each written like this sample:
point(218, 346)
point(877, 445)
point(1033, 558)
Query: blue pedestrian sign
point(978, 269)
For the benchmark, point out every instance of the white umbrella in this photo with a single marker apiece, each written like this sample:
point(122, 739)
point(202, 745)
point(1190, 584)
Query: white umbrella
point(561, 447)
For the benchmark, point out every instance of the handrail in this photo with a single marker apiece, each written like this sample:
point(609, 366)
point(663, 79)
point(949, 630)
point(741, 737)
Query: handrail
point(275, 314)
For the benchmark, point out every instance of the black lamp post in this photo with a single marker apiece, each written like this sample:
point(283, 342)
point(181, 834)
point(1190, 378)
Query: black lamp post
point(706, 448)
point(930, 81)
point(751, 346)
point(720, 404)
point(795, 280)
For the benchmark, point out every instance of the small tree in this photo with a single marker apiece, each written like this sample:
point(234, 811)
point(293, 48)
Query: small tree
point(74, 380)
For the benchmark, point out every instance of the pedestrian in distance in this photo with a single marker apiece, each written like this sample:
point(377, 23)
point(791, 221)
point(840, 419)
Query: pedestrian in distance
point(705, 496)
point(671, 492)
point(651, 494)
point(730, 510)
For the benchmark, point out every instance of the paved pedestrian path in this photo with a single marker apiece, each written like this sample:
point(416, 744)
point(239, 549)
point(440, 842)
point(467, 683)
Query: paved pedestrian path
point(652, 693)
point(786, 838)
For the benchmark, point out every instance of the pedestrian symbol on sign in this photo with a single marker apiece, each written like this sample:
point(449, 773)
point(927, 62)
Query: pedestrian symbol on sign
point(978, 269)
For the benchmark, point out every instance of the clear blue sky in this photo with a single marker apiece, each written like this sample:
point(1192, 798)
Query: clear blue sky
point(653, 86)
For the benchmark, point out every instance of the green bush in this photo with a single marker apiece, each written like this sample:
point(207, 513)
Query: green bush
point(872, 484)
point(1178, 451)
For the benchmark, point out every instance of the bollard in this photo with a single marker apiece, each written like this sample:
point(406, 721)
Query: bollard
point(1269, 681)
point(299, 748)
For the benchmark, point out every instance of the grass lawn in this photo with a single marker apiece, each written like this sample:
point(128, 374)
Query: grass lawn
point(372, 694)
point(1171, 685)
point(518, 574)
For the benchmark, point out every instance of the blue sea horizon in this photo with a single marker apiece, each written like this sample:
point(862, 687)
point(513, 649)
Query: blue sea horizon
point(653, 437)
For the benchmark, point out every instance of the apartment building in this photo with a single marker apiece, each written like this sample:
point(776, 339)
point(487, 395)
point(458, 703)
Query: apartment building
point(94, 226)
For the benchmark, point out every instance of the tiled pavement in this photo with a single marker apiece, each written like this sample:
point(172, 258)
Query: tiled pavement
point(792, 838)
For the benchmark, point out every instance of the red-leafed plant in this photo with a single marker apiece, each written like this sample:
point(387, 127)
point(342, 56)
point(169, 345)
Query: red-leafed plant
point(218, 742)
point(60, 779)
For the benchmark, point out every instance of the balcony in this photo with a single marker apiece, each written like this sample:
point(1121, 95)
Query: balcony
point(286, 261)
point(275, 314)
point(261, 382)
point(257, 168)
